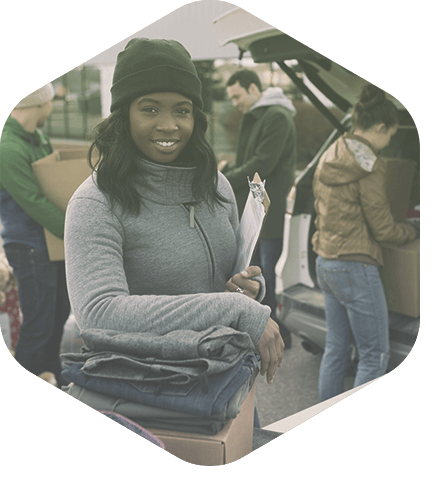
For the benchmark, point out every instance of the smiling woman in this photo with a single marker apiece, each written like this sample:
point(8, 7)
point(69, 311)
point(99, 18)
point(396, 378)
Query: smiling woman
point(150, 237)
point(157, 114)
point(161, 125)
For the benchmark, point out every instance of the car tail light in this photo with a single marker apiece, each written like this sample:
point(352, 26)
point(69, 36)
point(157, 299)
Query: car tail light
point(291, 200)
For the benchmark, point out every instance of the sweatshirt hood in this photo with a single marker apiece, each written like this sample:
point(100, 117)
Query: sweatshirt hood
point(348, 160)
point(273, 96)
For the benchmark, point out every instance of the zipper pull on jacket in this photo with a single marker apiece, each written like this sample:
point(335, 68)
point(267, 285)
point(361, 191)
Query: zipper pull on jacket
point(192, 216)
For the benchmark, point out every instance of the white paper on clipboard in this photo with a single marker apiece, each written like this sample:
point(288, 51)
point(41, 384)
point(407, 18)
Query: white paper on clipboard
point(251, 223)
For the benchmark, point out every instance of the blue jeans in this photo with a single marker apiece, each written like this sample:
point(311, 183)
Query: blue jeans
point(188, 398)
point(355, 308)
point(266, 256)
point(44, 305)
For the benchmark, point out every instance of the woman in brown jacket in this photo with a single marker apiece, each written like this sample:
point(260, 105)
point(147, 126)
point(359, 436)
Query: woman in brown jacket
point(353, 218)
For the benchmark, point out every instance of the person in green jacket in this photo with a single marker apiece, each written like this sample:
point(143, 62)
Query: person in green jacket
point(24, 213)
point(267, 145)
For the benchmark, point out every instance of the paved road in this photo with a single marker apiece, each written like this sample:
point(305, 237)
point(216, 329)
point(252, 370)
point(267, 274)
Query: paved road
point(294, 387)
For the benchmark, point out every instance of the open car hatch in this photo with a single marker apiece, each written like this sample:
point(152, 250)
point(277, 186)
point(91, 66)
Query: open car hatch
point(267, 44)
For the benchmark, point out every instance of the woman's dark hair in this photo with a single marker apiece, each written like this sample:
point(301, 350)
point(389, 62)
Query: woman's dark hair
point(118, 170)
point(372, 108)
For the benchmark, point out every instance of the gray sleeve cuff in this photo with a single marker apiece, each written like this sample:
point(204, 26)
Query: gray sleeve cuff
point(262, 292)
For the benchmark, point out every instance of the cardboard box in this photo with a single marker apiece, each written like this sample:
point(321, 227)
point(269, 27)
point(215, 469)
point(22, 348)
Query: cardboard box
point(401, 278)
point(59, 175)
point(401, 272)
point(233, 442)
point(400, 175)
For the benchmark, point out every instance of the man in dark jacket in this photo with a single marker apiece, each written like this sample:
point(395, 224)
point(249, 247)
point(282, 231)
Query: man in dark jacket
point(25, 212)
point(267, 145)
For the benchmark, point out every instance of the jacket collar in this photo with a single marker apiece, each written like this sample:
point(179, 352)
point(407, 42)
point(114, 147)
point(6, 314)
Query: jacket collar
point(256, 113)
point(166, 185)
point(14, 127)
point(351, 136)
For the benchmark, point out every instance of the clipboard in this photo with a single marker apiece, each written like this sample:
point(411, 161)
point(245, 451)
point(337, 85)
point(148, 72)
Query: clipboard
point(251, 223)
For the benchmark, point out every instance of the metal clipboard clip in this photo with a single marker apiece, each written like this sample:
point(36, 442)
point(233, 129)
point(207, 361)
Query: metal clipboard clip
point(257, 190)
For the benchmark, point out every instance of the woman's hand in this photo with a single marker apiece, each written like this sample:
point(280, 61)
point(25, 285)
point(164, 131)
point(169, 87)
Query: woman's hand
point(270, 347)
point(242, 283)
point(271, 344)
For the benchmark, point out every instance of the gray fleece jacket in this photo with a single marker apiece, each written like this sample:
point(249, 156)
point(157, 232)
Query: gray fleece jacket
point(155, 272)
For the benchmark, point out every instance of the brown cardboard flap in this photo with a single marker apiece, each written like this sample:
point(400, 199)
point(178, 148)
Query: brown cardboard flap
point(400, 175)
point(59, 175)
point(231, 443)
point(401, 278)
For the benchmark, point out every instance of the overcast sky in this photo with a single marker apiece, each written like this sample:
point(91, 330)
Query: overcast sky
point(191, 25)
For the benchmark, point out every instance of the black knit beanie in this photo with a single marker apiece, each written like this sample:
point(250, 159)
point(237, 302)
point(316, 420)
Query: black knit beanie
point(150, 66)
